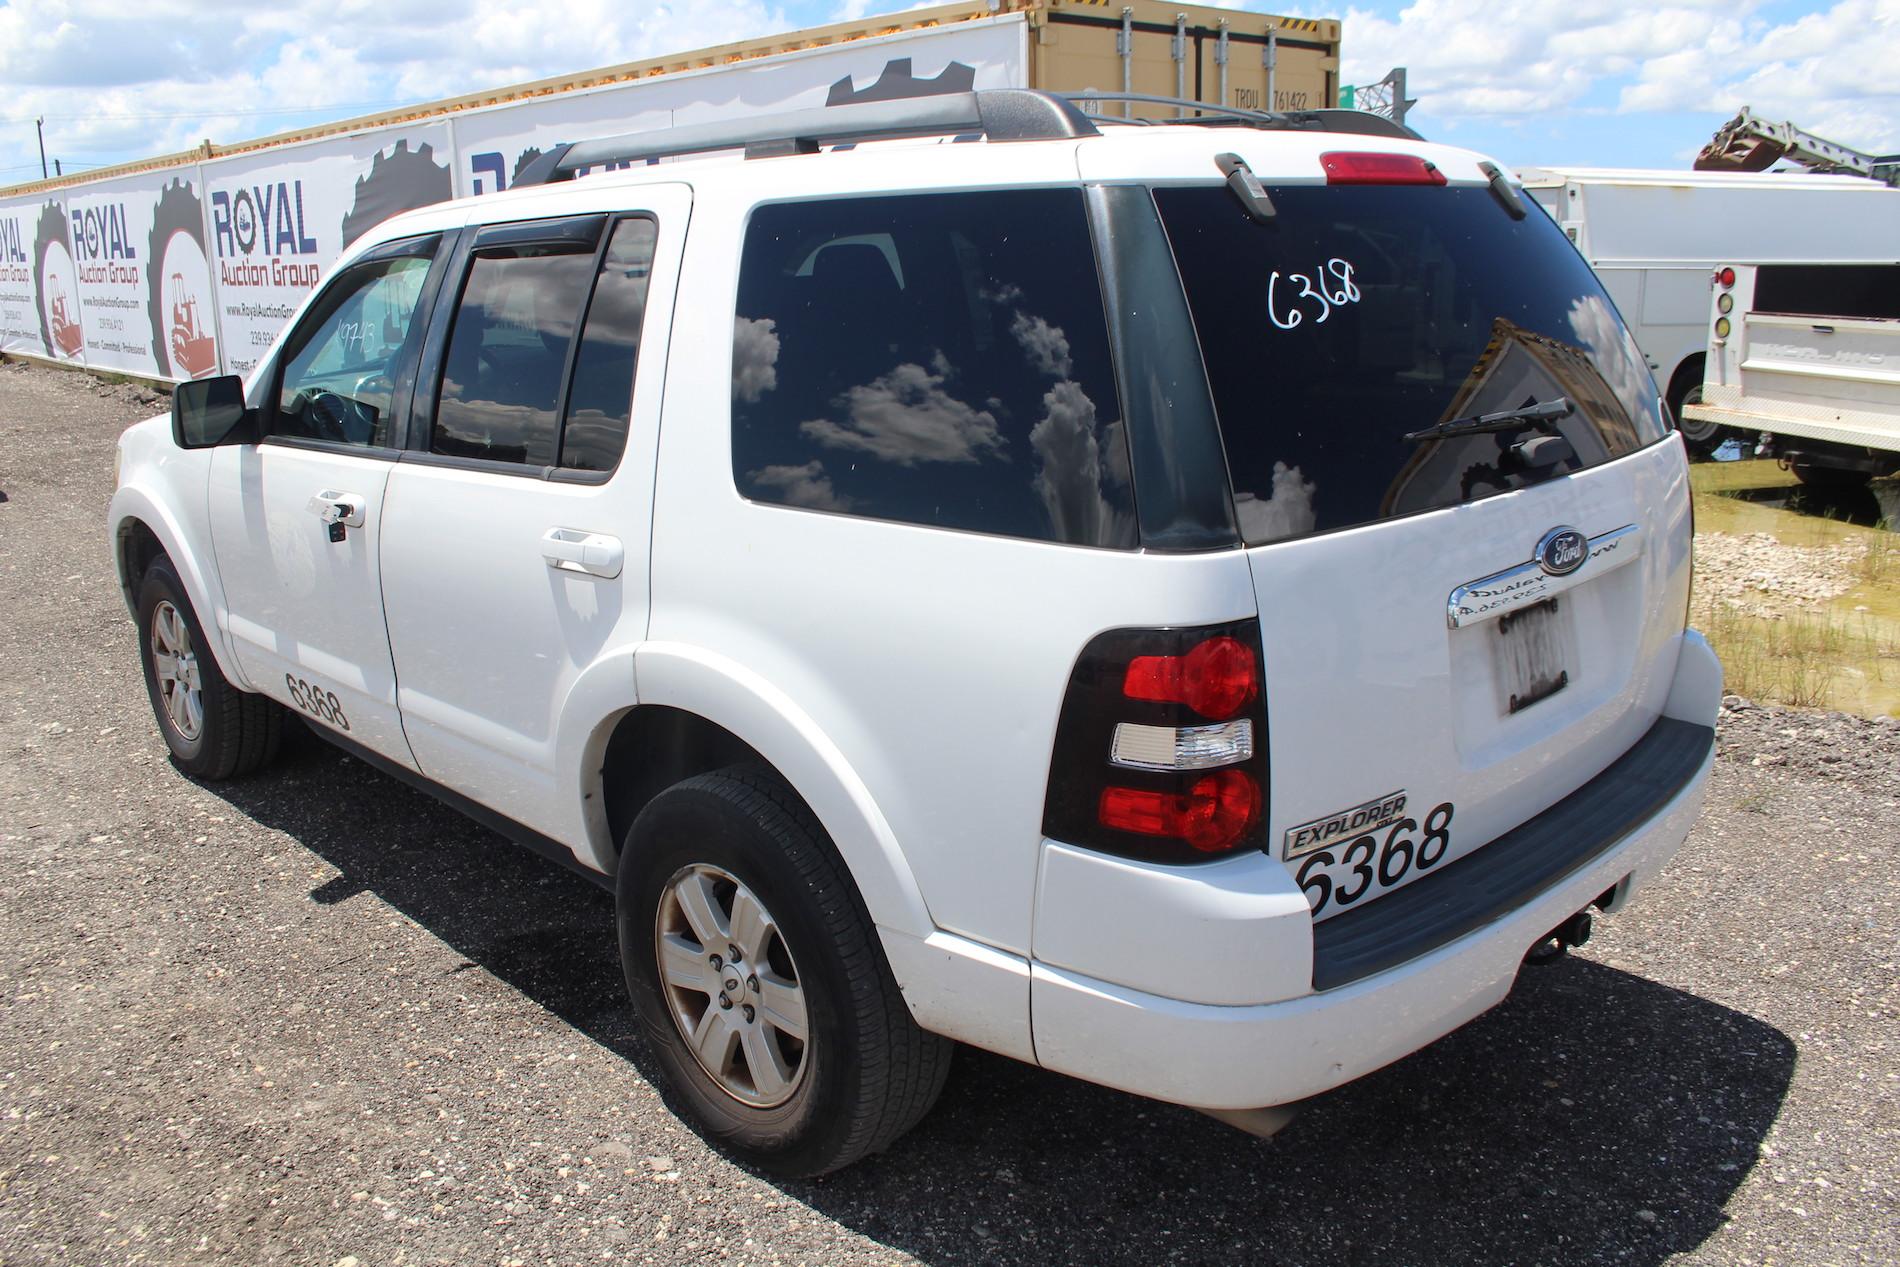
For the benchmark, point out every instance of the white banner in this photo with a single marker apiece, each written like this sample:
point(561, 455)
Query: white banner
point(19, 291)
point(276, 220)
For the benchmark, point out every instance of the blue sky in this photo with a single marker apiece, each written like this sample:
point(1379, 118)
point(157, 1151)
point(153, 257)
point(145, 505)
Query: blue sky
point(1534, 82)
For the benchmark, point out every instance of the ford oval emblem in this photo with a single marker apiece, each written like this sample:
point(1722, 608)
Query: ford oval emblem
point(1562, 551)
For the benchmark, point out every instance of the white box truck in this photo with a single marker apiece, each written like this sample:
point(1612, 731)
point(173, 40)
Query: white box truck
point(1655, 239)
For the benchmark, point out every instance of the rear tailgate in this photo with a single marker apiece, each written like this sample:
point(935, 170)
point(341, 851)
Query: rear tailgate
point(1377, 700)
point(1462, 622)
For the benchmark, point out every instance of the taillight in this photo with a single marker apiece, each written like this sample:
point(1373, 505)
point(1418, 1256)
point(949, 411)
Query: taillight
point(1360, 167)
point(1217, 678)
point(1159, 752)
point(1726, 277)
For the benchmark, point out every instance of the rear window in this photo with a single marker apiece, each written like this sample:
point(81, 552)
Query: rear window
point(1362, 314)
point(1829, 290)
point(936, 359)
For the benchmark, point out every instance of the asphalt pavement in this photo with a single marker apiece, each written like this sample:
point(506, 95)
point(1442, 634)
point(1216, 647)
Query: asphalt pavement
point(312, 1017)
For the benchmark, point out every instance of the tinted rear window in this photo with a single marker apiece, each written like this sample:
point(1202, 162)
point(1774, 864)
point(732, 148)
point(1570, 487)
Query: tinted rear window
point(938, 359)
point(1829, 290)
point(1360, 314)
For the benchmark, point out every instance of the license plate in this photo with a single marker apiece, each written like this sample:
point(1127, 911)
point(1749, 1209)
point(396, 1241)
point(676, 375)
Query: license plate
point(1532, 654)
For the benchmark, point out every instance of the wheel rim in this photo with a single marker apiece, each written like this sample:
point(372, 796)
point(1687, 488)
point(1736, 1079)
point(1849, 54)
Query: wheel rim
point(175, 667)
point(731, 986)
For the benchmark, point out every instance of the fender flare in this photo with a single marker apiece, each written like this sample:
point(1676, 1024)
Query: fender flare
point(726, 692)
point(134, 502)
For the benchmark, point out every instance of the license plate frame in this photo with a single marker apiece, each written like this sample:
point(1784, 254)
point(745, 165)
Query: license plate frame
point(1532, 654)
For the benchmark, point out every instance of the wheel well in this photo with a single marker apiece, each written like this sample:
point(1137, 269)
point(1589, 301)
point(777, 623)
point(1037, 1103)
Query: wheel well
point(138, 546)
point(652, 748)
point(1687, 375)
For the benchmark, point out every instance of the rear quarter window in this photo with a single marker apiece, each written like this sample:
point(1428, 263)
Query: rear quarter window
point(934, 359)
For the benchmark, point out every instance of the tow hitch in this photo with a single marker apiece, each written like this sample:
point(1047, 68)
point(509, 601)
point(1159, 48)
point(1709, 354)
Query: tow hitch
point(1574, 931)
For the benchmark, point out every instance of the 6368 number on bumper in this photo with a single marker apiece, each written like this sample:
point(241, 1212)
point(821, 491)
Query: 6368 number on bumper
point(1368, 865)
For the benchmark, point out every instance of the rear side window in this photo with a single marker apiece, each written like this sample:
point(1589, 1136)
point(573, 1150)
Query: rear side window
point(935, 359)
point(506, 394)
point(1361, 316)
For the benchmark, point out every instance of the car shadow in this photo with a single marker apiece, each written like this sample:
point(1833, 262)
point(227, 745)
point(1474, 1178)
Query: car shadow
point(1594, 1116)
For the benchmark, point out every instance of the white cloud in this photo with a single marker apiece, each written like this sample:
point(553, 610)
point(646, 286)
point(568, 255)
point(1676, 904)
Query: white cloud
point(119, 82)
point(1286, 511)
point(907, 417)
point(1046, 345)
point(1073, 474)
point(807, 486)
point(754, 357)
point(1831, 71)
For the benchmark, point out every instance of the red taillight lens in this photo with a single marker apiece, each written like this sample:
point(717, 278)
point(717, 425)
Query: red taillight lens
point(1212, 816)
point(1160, 751)
point(1216, 679)
point(1726, 277)
point(1357, 167)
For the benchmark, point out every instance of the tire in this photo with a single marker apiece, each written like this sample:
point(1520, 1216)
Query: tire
point(1702, 438)
point(229, 732)
point(863, 1074)
point(1831, 479)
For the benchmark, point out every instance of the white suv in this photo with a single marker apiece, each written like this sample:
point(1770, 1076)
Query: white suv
point(1188, 606)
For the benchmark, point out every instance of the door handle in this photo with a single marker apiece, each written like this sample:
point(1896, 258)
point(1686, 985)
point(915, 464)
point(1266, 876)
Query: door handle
point(332, 508)
point(572, 550)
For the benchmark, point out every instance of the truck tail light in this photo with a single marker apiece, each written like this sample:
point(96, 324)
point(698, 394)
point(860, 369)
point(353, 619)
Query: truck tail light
point(1360, 167)
point(1159, 753)
point(1726, 277)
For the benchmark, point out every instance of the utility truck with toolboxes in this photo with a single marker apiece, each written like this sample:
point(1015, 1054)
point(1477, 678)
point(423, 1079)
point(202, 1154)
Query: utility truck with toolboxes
point(1655, 238)
point(1807, 356)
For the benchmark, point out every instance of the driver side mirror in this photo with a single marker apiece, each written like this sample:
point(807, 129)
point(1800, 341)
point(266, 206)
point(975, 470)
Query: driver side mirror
point(208, 412)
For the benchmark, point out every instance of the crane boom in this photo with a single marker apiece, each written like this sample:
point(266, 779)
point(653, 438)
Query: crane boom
point(1750, 143)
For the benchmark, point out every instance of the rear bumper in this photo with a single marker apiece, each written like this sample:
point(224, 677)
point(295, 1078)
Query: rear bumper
point(1861, 428)
point(1462, 956)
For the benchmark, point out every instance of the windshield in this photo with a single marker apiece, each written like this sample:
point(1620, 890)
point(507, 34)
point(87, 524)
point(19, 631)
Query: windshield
point(1362, 316)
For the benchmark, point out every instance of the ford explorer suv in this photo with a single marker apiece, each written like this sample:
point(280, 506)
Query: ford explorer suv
point(1188, 606)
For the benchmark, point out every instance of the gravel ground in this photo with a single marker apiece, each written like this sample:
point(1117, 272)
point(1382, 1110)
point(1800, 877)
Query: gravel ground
point(1756, 574)
point(311, 1017)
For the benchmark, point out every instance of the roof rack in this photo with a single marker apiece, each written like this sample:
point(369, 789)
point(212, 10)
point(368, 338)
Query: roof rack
point(1213, 115)
point(1001, 114)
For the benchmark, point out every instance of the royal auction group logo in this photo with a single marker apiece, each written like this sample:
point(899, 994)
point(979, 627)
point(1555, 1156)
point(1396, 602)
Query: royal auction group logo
point(184, 337)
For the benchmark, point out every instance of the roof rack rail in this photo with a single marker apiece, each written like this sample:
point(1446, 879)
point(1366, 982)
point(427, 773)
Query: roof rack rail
point(1000, 114)
point(1214, 115)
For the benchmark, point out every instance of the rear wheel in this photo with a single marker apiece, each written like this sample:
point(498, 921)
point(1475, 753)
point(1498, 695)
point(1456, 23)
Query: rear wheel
point(754, 968)
point(213, 729)
point(1703, 438)
point(1829, 478)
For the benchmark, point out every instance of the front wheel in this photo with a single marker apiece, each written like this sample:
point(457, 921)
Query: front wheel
point(213, 729)
point(755, 970)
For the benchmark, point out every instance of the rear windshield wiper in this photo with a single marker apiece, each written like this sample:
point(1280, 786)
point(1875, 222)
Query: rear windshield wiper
point(1543, 411)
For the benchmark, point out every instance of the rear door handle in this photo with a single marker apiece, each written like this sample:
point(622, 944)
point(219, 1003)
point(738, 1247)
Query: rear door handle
point(573, 550)
point(332, 507)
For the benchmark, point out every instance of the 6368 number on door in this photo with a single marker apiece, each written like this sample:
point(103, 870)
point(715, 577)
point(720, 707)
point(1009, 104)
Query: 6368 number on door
point(319, 703)
point(1369, 864)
